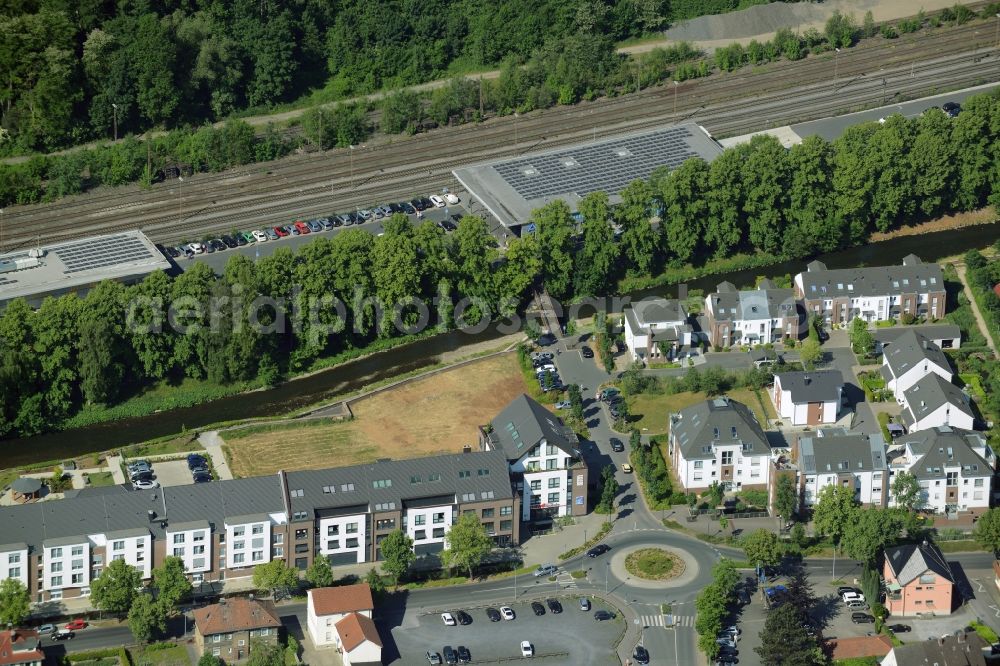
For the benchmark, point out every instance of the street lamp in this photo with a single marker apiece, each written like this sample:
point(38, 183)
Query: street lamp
point(114, 113)
point(352, 166)
point(836, 63)
point(515, 130)
point(997, 36)
point(676, 84)
point(180, 198)
point(607, 570)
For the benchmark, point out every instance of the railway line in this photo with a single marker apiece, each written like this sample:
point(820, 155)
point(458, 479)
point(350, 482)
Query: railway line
point(313, 184)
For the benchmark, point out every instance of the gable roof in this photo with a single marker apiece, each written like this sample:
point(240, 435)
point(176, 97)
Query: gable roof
point(816, 386)
point(20, 646)
point(888, 335)
point(717, 422)
point(914, 276)
point(911, 349)
point(655, 311)
point(930, 394)
point(764, 302)
point(235, 614)
point(910, 561)
point(959, 649)
point(854, 647)
point(342, 599)
point(355, 629)
point(835, 451)
point(936, 448)
point(524, 423)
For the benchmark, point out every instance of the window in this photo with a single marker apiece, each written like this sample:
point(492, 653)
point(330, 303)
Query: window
point(239, 545)
point(178, 538)
point(554, 482)
point(217, 638)
point(506, 510)
point(256, 543)
point(332, 530)
point(438, 533)
point(489, 527)
point(351, 543)
point(347, 487)
point(952, 478)
point(333, 544)
point(419, 519)
point(199, 550)
point(551, 450)
point(198, 536)
point(505, 526)
point(301, 548)
point(77, 579)
point(278, 538)
point(239, 531)
point(488, 513)
point(927, 579)
point(178, 552)
point(257, 529)
point(419, 535)
point(238, 558)
point(119, 556)
point(385, 524)
point(77, 550)
point(14, 572)
point(118, 545)
point(55, 567)
point(301, 534)
point(433, 477)
point(382, 483)
point(552, 463)
point(258, 556)
point(536, 484)
point(553, 498)
point(699, 464)
point(297, 492)
point(279, 552)
point(328, 489)
point(299, 515)
point(727, 457)
point(464, 474)
point(16, 557)
point(484, 472)
point(438, 518)
point(57, 581)
point(978, 483)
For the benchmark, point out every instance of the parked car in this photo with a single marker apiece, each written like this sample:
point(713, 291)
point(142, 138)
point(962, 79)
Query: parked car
point(447, 225)
point(846, 589)
point(640, 654)
point(899, 628)
point(726, 642)
point(603, 615)
point(450, 198)
point(584, 604)
point(464, 656)
point(408, 208)
point(137, 465)
point(852, 596)
point(203, 477)
point(327, 223)
point(145, 484)
point(616, 445)
point(315, 225)
point(281, 231)
point(507, 613)
point(527, 649)
point(433, 658)
point(218, 244)
point(554, 605)
point(76, 625)
point(229, 241)
point(627, 468)
point(201, 469)
point(437, 201)
point(862, 618)
point(196, 248)
point(493, 614)
point(272, 234)
point(259, 236)
point(450, 657)
point(448, 619)
point(195, 460)
point(537, 608)
point(291, 229)
point(418, 205)
point(545, 570)
point(587, 352)
point(240, 239)
point(857, 605)
point(141, 476)
point(598, 550)
point(563, 404)
point(463, 618)
point(951, 108)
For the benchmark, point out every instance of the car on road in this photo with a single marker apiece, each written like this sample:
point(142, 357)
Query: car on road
point(196, 460)
point(899, 628)
point(862, 618)
point(616, 445)
point(545, 570)
point(46, 629)
point(563, 404)
point(203, 477)
point(451, 198)
point(951, 108)
point(627, 468)
point(598, 550)
point(76, 625)
point(450, 657)
point(537, 608)
point(640, 654)
point(61, 635)
point(448, 619)
point(493, 614)
point(437, 201)
point(145, 484)
point(507, 613)
point(584, 604)
point(463, 618)
point(527, 649)
point(603, 615)
point(587, 352)
point(554, 605)
point(433, 658)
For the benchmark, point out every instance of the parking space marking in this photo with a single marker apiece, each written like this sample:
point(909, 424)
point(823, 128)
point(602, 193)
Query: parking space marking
point(996, 609)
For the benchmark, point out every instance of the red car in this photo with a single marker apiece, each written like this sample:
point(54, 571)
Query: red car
point(281, 232)
point(302, 227)
point(76, 625)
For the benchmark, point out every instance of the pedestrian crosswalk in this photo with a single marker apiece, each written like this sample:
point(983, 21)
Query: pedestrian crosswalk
point(566, 580)
point(659, 620)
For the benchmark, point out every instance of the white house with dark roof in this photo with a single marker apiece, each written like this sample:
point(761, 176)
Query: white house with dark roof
point(875, 293)
point(544, 453)
point(808, 398)
point(945, 336)
point(955, 469)
point(934, 401)
point(910, 358)
point(752, 316)
point(836, 457)
point(719, 440)
point(656, 329)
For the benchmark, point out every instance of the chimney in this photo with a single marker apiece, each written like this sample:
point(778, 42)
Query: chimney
point(151, 514)
point(940, 640)
point(466, 448)
point(923, 544)
point(961, 636)
point(925, 343)
point(807, 380)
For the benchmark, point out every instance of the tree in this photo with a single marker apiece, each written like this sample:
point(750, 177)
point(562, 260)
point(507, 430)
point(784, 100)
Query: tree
point(862, 341)
point(987, 532)
point(576, 401)
point(171, 583)
point(375, 582)
point(785, 497)
point(869, 531)
point(609, 489)
point(15, 602)
point(275, 575)
point(116, 588)
point(810, 353)
point(209, 659)
point(468, 543)
point(785, 641)
point(264, 654)
point(597, 259)
point(834, 510)
point(906, 491)
point(554, 232)
point(319, 573)
point(841, 29)
point(638, 238)
point(397, 554)
point(146, 617)
point(798, 535)
point(762, 548)
point(685, 207)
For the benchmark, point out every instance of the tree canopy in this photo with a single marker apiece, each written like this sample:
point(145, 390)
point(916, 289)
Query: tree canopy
point(116, 589)
point(468, 544)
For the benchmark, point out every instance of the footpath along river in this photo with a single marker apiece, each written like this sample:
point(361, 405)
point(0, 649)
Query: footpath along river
point(353, 376)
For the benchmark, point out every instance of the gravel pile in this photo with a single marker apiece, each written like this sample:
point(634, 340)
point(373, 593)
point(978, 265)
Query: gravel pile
point(757, 20)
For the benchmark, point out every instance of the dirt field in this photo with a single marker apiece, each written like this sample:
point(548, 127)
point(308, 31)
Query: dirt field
point(433, 415)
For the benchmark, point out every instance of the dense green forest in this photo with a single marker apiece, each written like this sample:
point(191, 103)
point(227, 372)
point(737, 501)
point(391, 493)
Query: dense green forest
point(66, 64)
point(756, 197)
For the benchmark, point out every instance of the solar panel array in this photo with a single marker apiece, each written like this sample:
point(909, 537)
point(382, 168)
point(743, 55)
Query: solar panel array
point(608, 166)
point(102, 252)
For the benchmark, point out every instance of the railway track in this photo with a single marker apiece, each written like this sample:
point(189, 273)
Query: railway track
point(308, 185)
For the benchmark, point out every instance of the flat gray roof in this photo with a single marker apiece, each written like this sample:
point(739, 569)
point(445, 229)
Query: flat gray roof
point(510, 189)
point(78, 264)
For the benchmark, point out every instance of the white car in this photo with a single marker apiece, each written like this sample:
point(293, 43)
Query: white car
point(448, 619)
point(527, 650)
point(853, 596)
point(451, 198)
point(506, 612)
point(197, 248)
point(259, 236)
point(436, 200)
point(145, 485)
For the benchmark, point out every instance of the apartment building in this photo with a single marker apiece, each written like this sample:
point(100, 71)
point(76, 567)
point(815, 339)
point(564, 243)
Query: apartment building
point(872, 293)
point(808, 398)
point(223, 529)
point(752, 317)
point(955, 469)
point(719, 440)
point(837, 457)
point(656, 329)
point(908, 359)
point(544, 458)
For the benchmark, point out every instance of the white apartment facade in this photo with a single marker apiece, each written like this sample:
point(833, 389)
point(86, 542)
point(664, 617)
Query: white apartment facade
point(14, 562)
point(836, 457)
point(656, 329)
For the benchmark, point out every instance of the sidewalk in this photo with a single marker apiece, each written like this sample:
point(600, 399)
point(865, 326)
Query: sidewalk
point(980, 322)
point(213, 446)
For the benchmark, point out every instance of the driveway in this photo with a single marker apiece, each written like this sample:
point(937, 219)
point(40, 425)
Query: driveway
point(570, 637)
point(172, 472)
point(843, 359)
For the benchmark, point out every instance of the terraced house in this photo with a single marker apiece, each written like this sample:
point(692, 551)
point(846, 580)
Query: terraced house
point(752, 316)
point(222, 530)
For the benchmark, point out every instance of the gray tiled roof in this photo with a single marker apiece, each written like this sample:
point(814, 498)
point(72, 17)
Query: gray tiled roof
point(655, 310)
point(911, 349)
point(249, 518)
point(937, 448)
point(524, 423)
point(713, 422)
point(950, 651)
point(929, 394)
point(836, 451)
point(889, 334)
point(815, 386)
point(64, 541)
point(913, 276)
point(10, 547)
point(187, 527)
point(128, 534)
point(910, 561)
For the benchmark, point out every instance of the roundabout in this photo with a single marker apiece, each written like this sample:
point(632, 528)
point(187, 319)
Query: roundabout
point(645, 564)
point(655, 564)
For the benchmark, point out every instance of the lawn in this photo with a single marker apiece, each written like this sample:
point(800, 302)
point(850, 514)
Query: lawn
point(98, 479)
point(437, 414)
point(172, 656)
point(651, 411)
point(654, 564)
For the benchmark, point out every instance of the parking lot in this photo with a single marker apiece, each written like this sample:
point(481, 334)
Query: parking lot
point(172, 472)
point(570, 637)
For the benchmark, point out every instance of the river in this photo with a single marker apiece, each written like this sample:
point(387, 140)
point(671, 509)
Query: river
point(382, 365)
